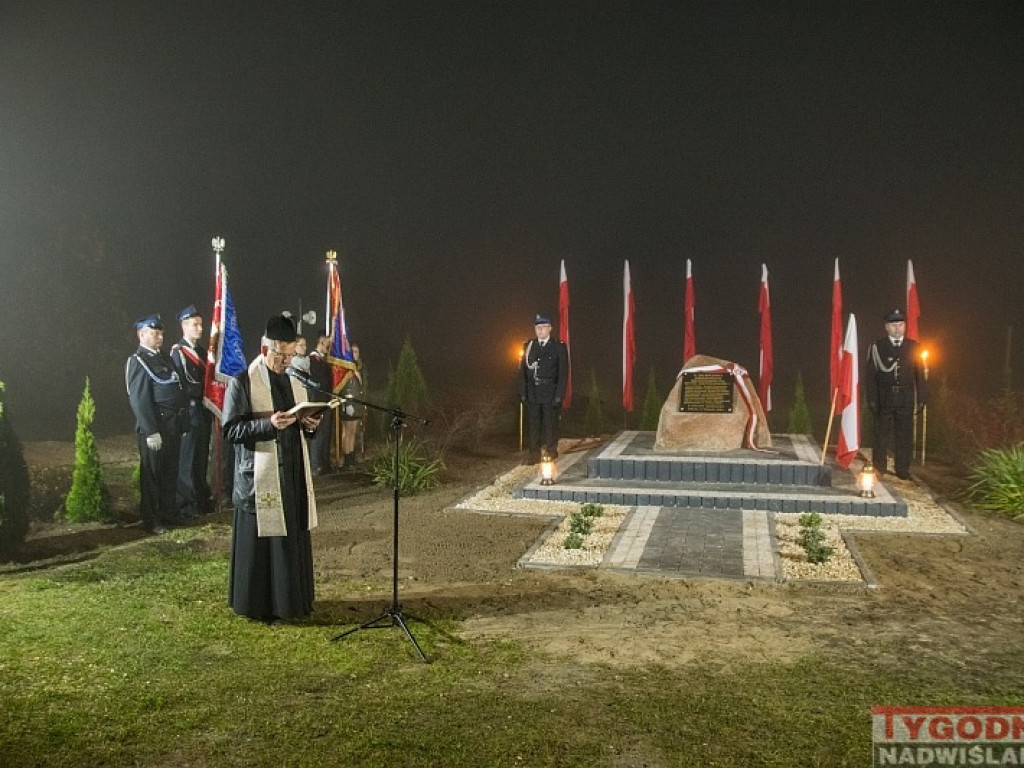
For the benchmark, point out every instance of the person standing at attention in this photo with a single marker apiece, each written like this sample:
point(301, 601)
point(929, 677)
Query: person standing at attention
point(158, 402)
point(543, 373)
point(895, 390)
point(189, 358)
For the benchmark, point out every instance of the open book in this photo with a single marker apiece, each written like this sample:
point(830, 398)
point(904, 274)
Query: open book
point(306, 408)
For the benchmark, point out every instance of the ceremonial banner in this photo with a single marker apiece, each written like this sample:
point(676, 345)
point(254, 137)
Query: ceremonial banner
point(340, 356)
point(225, 357)
point(835, 348)
point(848, 400)
point(563, 330)
point(913, 306)
point(765, 371)
point(628, 342)
point(689, 340)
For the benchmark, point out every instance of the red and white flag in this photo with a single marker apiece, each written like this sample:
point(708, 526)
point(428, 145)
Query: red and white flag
point(563, 330)
point(835, 348)
point(765, 370)
point(628, 342)
point(225, 357)
point(848, 401)
point(689, 340)
point(913, 305)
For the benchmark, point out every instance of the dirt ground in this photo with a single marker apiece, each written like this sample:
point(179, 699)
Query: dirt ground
point(958, 597)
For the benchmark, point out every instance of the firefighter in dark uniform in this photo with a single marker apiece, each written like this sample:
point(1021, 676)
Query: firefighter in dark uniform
point(895, 389)
point(189, 358)
point(543, 374)
point(158, 402)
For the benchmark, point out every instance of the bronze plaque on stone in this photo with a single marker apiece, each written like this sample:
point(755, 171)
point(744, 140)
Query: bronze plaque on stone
point(704, 392)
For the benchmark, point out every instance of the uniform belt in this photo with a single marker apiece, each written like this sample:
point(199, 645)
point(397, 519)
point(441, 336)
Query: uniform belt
point(898, 387)
point(544, 381)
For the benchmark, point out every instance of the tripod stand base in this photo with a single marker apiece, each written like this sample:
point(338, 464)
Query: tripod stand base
point(394, 618)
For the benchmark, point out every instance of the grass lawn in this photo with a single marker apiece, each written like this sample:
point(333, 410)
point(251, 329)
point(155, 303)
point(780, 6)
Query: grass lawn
point(134, 659)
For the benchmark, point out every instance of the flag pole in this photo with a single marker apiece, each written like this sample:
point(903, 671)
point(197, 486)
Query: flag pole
point(828, 429)
point(218, 438)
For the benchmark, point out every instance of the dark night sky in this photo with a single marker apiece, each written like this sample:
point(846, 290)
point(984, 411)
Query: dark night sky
point(453, 153)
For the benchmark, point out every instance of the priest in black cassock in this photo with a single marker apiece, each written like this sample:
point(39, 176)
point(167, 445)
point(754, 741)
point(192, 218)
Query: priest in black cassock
point(271, 550)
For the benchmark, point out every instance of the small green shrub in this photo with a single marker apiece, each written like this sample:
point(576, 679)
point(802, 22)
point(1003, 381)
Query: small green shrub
point(812, 539)
point(998, 481)
point(417, 469)
point(573, 541)
point(580, 524)
point(594, 421)
point(88, 500)
point(590, 509)
point(652, 405)
point(799, 414)
point(136, 484)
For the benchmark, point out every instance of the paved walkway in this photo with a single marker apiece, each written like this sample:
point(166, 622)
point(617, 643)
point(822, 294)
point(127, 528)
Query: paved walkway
point(713, 543)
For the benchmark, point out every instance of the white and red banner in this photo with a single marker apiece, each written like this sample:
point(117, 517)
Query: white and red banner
point(913, 305)
point(765, 370)
point(563, 329)
point(225, 357)
point(848, 400)
point(628, 342)
point(689, 339)
point(835, 347)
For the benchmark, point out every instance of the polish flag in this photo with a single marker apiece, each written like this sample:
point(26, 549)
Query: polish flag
point(563, 330)
point(689, 341)
point(835, 348)
point(848, 401)
point(628, 342)
point(913, 305)
point(765, 370)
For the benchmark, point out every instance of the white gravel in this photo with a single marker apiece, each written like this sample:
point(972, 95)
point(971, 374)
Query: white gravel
point(924, 515)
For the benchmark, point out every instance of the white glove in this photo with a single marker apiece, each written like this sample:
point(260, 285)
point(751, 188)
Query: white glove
point(155, 441)
point(350, 410)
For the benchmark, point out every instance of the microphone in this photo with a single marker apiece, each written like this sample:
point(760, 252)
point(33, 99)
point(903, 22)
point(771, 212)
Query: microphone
point(301, 377)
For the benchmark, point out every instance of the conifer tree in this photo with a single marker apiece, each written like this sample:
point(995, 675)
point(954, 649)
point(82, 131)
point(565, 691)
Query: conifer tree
point(15, 488)
point(652, 405)
point(594, 423)
point(407, 389)
point(87, 500)
point(799, 415)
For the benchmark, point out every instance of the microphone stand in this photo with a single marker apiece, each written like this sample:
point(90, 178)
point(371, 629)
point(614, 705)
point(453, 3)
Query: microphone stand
point(393, 616)
point(399, 421)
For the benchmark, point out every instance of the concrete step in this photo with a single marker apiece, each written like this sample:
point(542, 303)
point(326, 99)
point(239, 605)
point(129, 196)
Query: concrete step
point(790, 478)
point(710, 470)
point(773, 498)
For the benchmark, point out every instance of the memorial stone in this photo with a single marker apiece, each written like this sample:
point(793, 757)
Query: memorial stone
point(707, 410)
